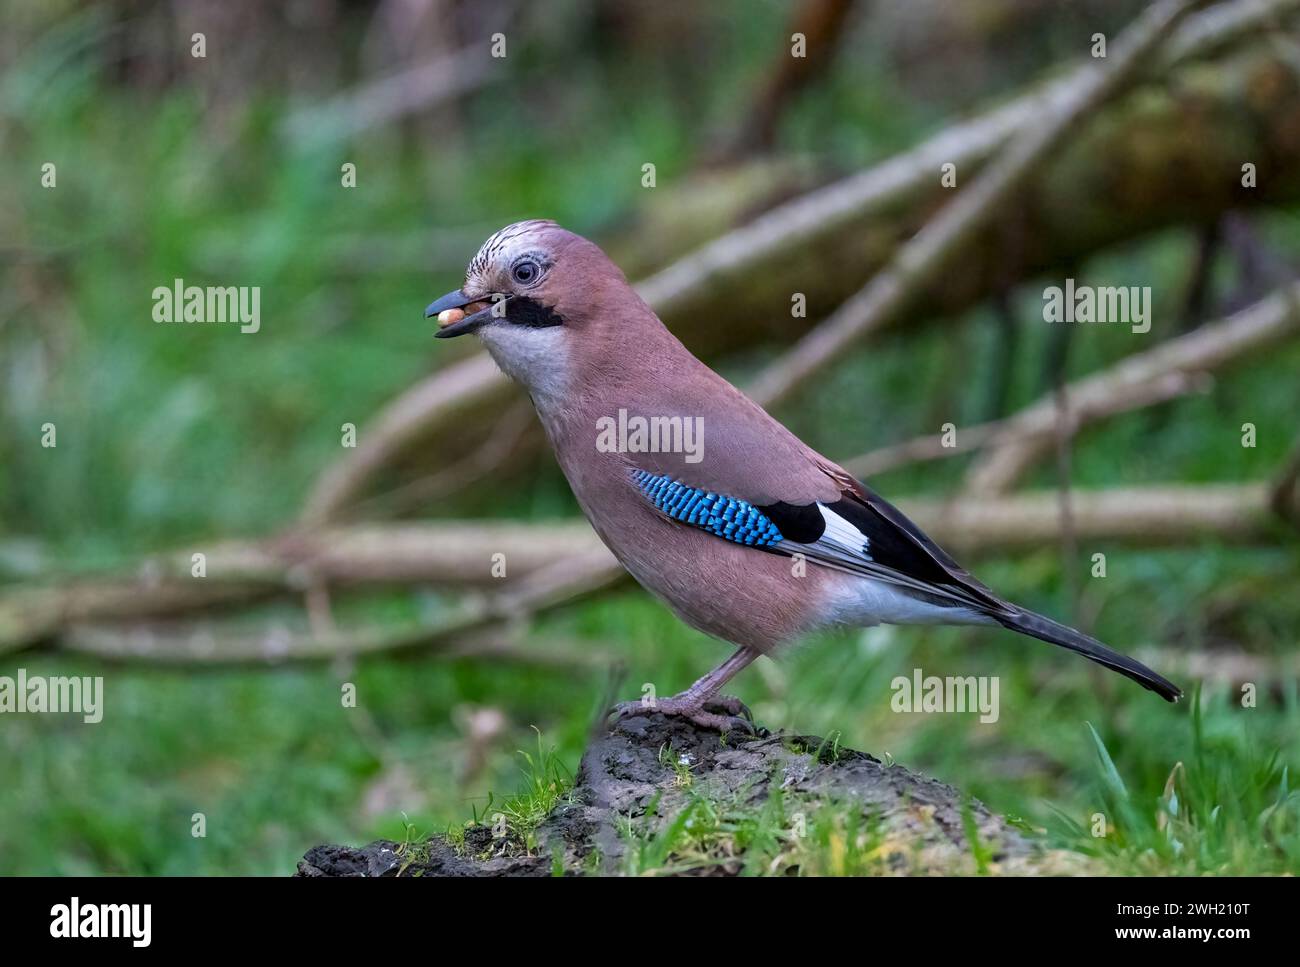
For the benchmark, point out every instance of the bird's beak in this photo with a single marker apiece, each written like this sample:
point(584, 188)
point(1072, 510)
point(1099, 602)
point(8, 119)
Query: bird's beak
point(454, 322)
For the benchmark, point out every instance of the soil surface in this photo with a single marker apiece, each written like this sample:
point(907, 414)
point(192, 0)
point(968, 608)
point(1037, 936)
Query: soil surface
point(641, 775)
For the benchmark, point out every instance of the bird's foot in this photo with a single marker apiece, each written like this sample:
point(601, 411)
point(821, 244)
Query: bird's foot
point(722, 713)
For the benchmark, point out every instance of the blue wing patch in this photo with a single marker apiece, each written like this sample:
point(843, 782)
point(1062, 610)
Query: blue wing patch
point(734, 520)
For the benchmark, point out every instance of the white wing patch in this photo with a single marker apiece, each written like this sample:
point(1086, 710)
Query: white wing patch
point(841, 533)
point(844, 547)
point(841, 541)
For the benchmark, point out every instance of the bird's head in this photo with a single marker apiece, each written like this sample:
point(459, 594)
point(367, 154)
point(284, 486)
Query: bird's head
point(542, 299)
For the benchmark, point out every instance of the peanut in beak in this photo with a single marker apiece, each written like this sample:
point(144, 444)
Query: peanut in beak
point(449, 317)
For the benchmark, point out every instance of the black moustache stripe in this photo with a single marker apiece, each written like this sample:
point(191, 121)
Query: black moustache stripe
point(523, 311)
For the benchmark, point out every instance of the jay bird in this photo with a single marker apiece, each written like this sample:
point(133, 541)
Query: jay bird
point(750, 536)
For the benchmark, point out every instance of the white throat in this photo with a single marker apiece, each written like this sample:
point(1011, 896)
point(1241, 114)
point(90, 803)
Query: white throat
point(537, 358)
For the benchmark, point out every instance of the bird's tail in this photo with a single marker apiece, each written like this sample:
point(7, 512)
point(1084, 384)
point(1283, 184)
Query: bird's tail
point(1045, 629)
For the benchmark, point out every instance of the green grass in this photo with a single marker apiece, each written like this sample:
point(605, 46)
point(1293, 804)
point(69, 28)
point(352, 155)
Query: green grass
point(277, 765)
point(547, 784)
point(511, 823)
point(1229, 809)
point(779, 837)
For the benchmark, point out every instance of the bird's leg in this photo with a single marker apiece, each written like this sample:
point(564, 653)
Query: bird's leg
point(705, 691)
point(695, 703)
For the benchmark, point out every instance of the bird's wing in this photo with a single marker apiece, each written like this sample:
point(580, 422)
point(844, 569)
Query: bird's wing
point(896, 544)
point(846, 526)
point(753, 482)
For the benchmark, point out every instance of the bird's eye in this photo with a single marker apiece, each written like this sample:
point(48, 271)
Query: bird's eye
point(525, 271)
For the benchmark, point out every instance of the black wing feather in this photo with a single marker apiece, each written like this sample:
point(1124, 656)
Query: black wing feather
point(897, 543)
point(899, 546)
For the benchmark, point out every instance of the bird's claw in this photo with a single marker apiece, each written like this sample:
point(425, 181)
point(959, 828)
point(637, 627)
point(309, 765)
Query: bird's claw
point(721, 713)
point(730, 705)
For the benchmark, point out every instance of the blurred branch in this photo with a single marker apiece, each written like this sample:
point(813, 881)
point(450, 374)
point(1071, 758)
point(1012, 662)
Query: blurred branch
point(1219, 666)
point(30, 614)
point(390, 98)
point(921, 259)
point(211, 646)
point(821, 22)
point(1285, 497)
point(1210, 31)
point(115, 633)
point(495, 451)
point(806, 222)
point(243, 572)
point(576, 563)
point(465, 389)
point(821, 242)
point(1020, 426)
point(1267, 323)
point(1150, 515)
point(1167, 371)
